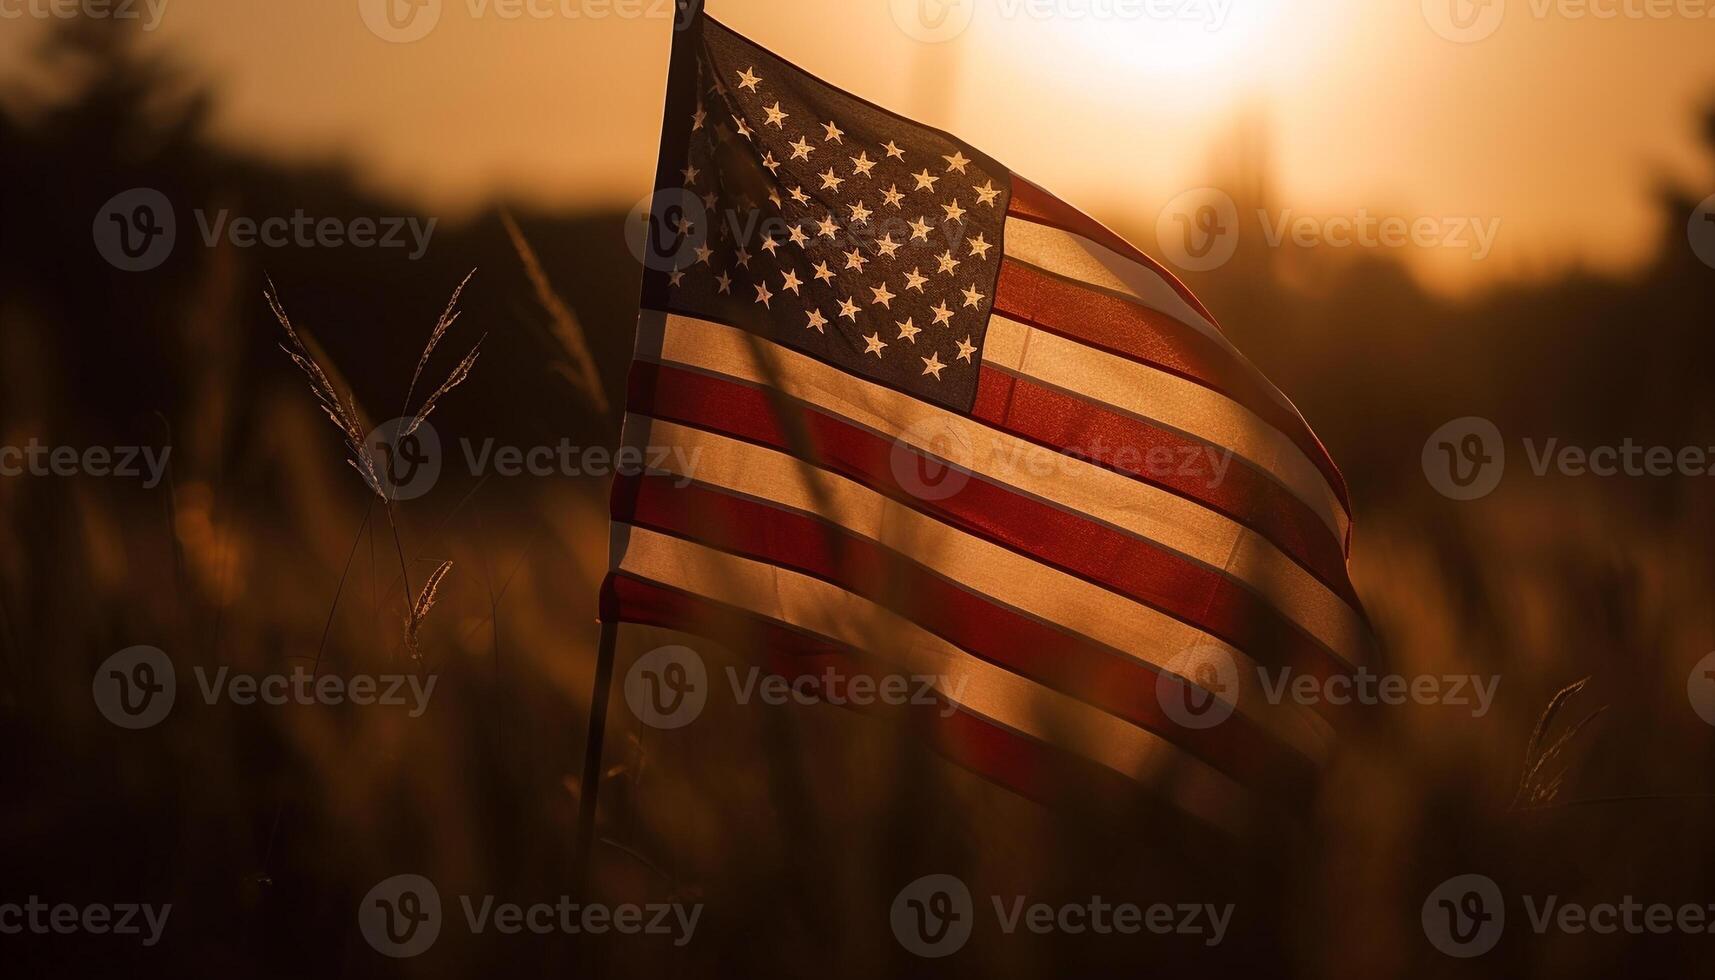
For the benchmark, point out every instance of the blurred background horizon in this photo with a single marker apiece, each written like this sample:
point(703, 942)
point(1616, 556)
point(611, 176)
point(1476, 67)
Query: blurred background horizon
point(1349, 104)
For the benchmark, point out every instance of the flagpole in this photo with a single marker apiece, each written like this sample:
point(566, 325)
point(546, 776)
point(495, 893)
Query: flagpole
point(680, 90)
point(590, 784)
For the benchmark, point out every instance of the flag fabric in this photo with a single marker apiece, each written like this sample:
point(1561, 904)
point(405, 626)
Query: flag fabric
point(929, 419)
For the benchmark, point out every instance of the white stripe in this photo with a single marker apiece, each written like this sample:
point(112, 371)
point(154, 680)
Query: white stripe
point(1091, 491)
point(1011, 579)
point(1076, 257)
point(1139, 390)
point(1025, 706)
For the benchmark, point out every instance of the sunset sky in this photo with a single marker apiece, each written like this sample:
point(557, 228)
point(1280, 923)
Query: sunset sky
point(1553, 124)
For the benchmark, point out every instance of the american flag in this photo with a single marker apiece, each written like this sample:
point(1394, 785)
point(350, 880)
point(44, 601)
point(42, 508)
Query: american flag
point(930, 419)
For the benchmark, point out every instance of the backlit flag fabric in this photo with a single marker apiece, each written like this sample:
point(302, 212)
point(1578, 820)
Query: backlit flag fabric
point(930, 420)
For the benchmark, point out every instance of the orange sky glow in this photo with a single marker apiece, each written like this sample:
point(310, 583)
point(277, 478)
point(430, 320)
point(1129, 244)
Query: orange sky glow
point(1548, 125)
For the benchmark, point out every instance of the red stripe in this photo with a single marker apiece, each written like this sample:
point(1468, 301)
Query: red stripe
point(1073, 665)
point(1165, 459)
point(1194, 594)
point(1032, 203)
point(1033, 769)
point(1152, 338)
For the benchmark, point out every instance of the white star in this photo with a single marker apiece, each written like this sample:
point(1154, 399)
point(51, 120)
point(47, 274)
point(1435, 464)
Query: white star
point(882, 296)
point(887, 246)
point(769, 244)
point(849, 309)
point(987, 193)
point(925, 180)
point(920, 229)
point(690, 173)
point(823, 272)
point(862, 165)
point(725, 282)
point(943, 313)
point(828, 227)
point(908, 331)
point(956, 162)
point(676, 276)
point(743, 128)
point(801, 150)
point(774, 198)
point(772, 164)
point(792, 281)
point(797, 235)
point(948, 263)
point(748, 80)
point(894, 151)
point(860, 214)
point(776, 118)
point(954, 212)
point(817, 321)
point(683, 225)
point(698, 118)
point(799, 195)
point(892, 196)
point(979, 246)
point(830, 181)
point(763, 295)
point(743, 257)
point(966, 349)
point(833, 132)
point(932, 365)
point(973, 297)
point(703, 253)
point(875, 344)
point(710, 200)
point(855, 260)
point(915, 280)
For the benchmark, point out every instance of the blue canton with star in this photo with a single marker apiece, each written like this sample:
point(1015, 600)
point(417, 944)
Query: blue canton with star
point(801, 213)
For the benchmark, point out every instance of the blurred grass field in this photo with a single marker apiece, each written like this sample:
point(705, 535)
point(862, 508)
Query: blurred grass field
point(796, 827)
